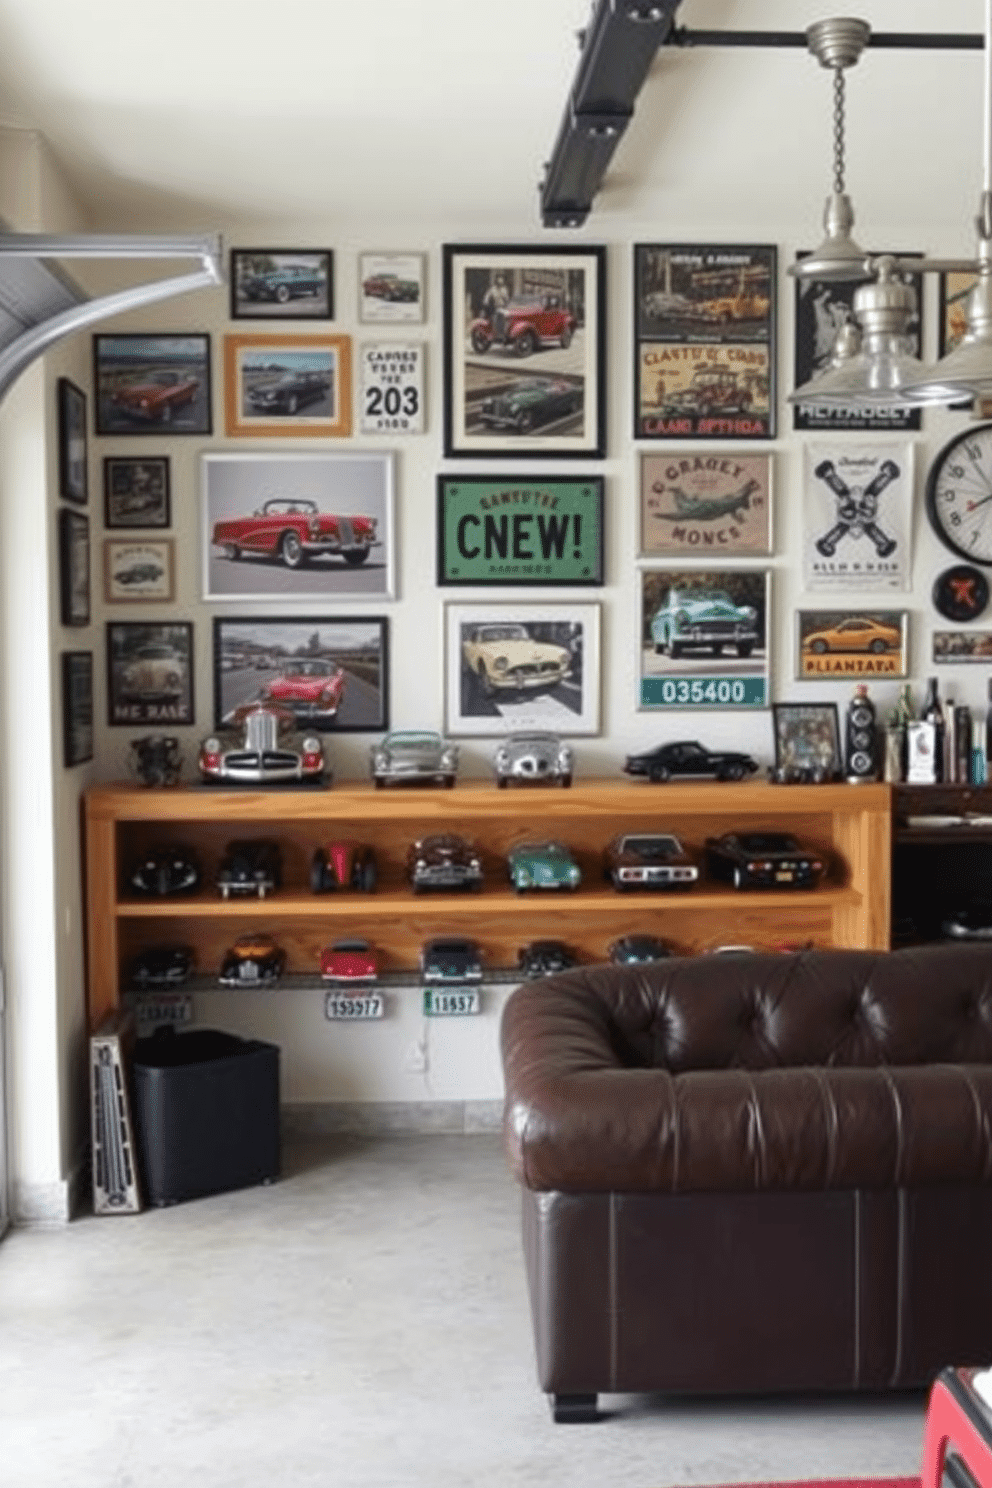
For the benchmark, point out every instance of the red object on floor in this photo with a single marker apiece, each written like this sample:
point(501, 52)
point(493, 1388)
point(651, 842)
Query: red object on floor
point(958, 1423)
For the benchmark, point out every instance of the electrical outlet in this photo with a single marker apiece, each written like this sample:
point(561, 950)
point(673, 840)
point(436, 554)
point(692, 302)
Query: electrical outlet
point(415, 1062)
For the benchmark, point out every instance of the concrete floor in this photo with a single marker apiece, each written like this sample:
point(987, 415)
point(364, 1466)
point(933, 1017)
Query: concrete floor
point(362, 1323)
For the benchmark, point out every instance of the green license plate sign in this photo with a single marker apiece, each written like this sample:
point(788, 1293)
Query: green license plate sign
point(704, 692)
point(520, 531)
point(451, 1002)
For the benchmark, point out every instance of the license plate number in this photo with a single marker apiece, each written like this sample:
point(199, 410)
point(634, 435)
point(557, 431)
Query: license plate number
point(451, 1002)
point(351, 1009)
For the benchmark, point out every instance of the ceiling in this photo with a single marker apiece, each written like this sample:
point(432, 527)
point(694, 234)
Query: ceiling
point(205, 113)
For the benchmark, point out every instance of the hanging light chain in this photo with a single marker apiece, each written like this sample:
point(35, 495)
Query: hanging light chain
point(838, 130)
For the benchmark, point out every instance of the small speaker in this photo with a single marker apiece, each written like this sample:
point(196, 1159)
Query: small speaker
point(862, 745)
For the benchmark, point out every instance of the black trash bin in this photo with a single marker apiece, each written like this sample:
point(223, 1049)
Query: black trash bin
point(206, 1113)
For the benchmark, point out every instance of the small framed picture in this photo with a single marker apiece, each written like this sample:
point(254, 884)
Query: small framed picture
point(149, 672)
point(521, 530)
point(519, 666)
point(705, 638)
point(845, 644)
point(392, 387)
point(282, 284)
point(137, 571)
point(136, 491)
point(696, 504)
point(287, 385)
point(152, 384)
point(807, 741)
point(73, 465)
point(955, 287)
point(74, 567)
point(77, 707)
point(391, 288)
point(962, 645)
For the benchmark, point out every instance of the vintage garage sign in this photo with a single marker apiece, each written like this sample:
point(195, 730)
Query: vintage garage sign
point(392, 388)
point(520, 530)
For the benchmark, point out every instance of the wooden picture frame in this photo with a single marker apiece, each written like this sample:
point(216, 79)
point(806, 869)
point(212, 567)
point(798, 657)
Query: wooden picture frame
point(138, 571)
point(285, 384)
point(73, 461)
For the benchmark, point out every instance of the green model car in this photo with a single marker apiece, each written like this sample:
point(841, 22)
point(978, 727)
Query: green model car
point(542, 865)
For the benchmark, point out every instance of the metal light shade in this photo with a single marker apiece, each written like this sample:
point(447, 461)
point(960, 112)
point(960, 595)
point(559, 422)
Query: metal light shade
point(838, 257)
point(966, 372)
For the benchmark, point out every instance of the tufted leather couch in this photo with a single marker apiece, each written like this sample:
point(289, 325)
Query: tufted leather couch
point(755, 1172)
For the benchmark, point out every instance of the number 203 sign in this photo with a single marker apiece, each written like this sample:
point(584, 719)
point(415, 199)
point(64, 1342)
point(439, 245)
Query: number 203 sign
point(392, 388)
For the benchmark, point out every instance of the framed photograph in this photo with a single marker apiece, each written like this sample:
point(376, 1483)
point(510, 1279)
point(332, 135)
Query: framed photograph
point(704, 341)
point(332, 673)
point(136, 492)
point(391, 288)
point(328, 534)
point(695, 504)
point(524, 351)
point(138, 571)
point(149, 672)
point(705, 638)
point(954, 289)
point(520, 530)
point(73, 465)
point(807, 741)
point(392, 387)
point(857, 514)
point(282, 284)
point(848, 644)
point(287, 384)
point(962, 645)
point(74, 567)
point(152, 384)
point(77, 707)
point(521, 666)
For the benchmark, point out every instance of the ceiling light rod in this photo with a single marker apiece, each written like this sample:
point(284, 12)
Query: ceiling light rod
point(945, 41)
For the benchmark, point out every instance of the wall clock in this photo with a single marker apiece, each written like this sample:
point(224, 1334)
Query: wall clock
point(959, 494)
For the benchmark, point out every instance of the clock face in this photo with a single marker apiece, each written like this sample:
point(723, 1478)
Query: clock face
point(959, 495)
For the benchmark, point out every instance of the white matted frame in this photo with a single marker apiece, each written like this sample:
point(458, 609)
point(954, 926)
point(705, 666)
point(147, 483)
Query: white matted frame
point(705, 638)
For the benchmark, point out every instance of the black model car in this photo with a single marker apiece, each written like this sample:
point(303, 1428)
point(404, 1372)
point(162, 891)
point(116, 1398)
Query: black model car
point(686, 758)
point(443, 861)
point(637, 950)
point(649, 860)
point(763, 860)
point(450, 958)
point(165, 871)
point(971, 923)
point(161, 966)
point(288, 393)
point(545, 958)
point(252, 961)
point(250, 867)
point(343, 865)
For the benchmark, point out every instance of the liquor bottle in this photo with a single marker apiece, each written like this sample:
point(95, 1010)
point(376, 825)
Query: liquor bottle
point(963, 745)
point(988, 728)
point(902, 717)
point(979, 761)
point(933, 714)
point(861, 760)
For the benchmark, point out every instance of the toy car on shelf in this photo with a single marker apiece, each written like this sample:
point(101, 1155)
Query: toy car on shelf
point(343, 865)
point(250, 867)
point(971, 923)
point(443, 861)
point(253, 961)
point(686, 758)
point(450, 958)
point(414, 756)
point(763, 860)
point(536, 756)
point(165, 871)
point(649, 860)
point(161, 967)
point(349, 961)
point(542, 865)
point(263, 751)
point(637, 950)
point(545, 958)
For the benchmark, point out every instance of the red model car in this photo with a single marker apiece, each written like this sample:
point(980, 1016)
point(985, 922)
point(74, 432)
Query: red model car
point(523, 326)
point(295, 530)
point(308, 687)
point(157, 396)
point(343, 865)
point(349, 961)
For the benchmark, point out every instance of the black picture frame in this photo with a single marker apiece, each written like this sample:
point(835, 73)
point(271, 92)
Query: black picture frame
point(74, 567)
point(73, 451)
point(282, 284)
point(530, 531)
point(136, 491)
point(77, 707)
point(152, 385)
point(807, 741)
point(149, 672)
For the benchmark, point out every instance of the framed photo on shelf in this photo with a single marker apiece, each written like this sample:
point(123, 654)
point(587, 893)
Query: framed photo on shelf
point(136, 491)
point(282, 284)
point(518, 665)
point(705, 638)
point(331, 673)
point(77, 707)
point(73, 464)
point(521, 530)
point(847, 644)
point(152, 384)
point(74, 567)
point(329, 533)
point(138, 571)
point(524, 351)
point(697, 504)
point(149, 672)
point(391, 288)
point(807, 740)
point(392, 387)
point(286, 384)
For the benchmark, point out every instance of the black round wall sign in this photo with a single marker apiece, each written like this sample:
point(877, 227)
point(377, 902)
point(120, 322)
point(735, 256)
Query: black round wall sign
point(961, 593)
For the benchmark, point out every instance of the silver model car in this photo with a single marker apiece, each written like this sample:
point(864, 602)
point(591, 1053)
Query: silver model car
point(412, 756)
point(535, 756)
point(265, 752)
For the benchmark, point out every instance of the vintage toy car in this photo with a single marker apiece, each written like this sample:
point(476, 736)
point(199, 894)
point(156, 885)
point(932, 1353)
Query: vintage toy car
point(309, 687)
point(974, 922)
point(763, 860)
point(505, 658)
point(288, 393)
point(343, 865)
point(536, 756)
point(390, 287)
point(545, 958)
point(542, 865)
point(443, 861)
point(523, 326)
point(288, 282)
point(349, 961)
point(686, 757)
point(649, 860)
point(266, 752)
point(162, 966)
point(294, 530)
point(250, 867)
point(703, 620)
point(156, 670)
point(530, 403)
point(253, 960)
point(155, 398)
point(164, 871)
point(450, 958)
point(855, 634)
point(637, 950)
point(413, 757)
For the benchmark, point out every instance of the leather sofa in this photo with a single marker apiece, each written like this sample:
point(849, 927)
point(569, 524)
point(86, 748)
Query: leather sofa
point(754, 1172)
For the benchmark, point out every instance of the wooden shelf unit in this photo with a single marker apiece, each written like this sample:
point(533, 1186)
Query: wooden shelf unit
point(852, 824)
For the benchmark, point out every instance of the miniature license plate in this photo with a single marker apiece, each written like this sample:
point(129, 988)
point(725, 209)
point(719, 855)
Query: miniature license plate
point(337, 1007)
point(451, 1002)
point(164, 1007)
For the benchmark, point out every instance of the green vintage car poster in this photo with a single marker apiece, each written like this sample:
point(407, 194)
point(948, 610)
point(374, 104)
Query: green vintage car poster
point(518, 530)
point(704, 638)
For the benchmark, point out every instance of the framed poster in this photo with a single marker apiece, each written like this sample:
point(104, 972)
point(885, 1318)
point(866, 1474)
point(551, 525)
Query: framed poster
point(519, 530)
point(152, 384)
point(138, 571)
point(77, 707)
point(807, 741)
point(329, 672)
point(851, 644)
point(73, 465)
point(136, 491)
point(962, 645)
point(74, 567)
point(705, 638)
point(857, 515)
point(391, 288)
point(518, 665)
point(283, 384)
point(149, 672)
point(524, 350)
point(697, 504)
point(954, 289)
point(392, 387)
point(282, 284)
point(704, 341)
point(328, 534)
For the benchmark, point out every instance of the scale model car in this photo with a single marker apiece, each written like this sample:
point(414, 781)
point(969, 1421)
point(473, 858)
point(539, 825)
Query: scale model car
point(545, 958)
point(524, 326)
point(156, 397)
point(415, 756)
point(450, 958)
point(703, 620)
point(504, 657)
point(542, 865)
point(343, 865)
point(310, 688)
point(349, 961)
point(443, 861)
point(763, 860)
point(288, 393)
point(288, 282)
point(637, 950)
point(972, 923)
point(540, 757)
point(266, 752)
point(649, 860)
point(161, 966)
point(532, 402)
point(294, 529)
point(686, 758)
point(253, 960)
point(250, 867)
point(165, 871)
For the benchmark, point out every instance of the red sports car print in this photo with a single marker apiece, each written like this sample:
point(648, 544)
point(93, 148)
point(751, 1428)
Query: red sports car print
point(309, 689)
point(295, 531)
point(157, 396)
